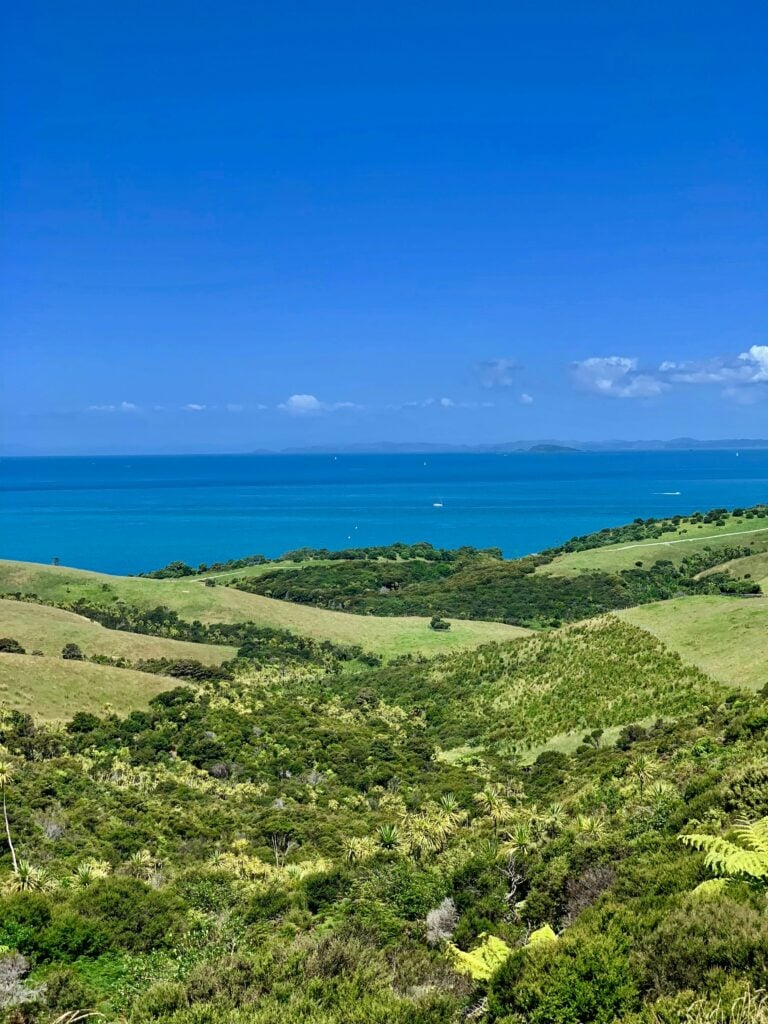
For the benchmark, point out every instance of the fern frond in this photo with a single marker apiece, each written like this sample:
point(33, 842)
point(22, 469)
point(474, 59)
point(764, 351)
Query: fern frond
point(754, 834)
point(727, 858)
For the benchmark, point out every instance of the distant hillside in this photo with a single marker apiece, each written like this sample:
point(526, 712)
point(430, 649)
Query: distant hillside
point(537, 444)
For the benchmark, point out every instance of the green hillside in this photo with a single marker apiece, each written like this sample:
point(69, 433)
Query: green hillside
point(684, 541)
point(725, 637)
point(510, 697)
point(42, 628)
point(192, 599)
point(51, 689)
point(565, 826)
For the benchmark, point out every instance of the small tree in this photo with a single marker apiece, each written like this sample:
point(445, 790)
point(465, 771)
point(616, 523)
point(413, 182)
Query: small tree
point(71, 652)
point(439, 624)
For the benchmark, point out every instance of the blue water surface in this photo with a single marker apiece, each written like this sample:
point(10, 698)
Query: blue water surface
point(129, 514)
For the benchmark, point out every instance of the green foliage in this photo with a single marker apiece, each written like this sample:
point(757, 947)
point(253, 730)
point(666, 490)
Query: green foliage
point(298, 838)
point(749, 859)
point(8, 645)
point(484, 960)
point(580, 978)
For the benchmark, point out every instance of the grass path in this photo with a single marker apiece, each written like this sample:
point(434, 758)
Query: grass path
point(615, 557)
point(683, 540)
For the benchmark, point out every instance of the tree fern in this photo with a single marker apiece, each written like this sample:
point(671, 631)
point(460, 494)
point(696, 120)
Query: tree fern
point(749, 859)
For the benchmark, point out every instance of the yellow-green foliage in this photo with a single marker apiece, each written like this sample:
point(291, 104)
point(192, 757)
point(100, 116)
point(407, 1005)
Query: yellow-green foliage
point(482, 961)
point(541, 935)
point(750, 859)
point(711, 887)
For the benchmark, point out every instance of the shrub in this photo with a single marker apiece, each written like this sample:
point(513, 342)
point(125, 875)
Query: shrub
point(583, 977)
point(704, 936)
point(135, 916)
point(10, 646)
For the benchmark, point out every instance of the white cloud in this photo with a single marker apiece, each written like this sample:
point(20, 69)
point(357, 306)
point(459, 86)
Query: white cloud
point(120, 407)
point(739, 375)
point(526, 399)
point(497, 373)
point(757, 359)
point(616, 377)
point(308, 405)
point(194, 407)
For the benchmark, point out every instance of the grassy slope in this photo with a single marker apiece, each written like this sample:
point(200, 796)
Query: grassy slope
point(53, 689)
point(38, 627)
point(191, 599)
point(690, 539)
point(726, 637)
point(258, 570)
point(753, 567)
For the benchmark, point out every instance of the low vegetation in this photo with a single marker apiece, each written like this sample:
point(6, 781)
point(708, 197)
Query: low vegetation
point(566, 827)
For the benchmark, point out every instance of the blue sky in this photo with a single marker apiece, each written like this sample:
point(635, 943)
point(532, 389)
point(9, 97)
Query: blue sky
point(235, 226)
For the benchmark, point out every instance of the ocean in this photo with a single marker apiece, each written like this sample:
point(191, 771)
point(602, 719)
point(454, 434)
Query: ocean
point(130, 514)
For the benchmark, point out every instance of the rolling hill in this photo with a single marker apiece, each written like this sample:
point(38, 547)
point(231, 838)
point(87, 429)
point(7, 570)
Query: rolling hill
point(42, 628)
point(725, 637)
point(51, 689)
point(192, 599)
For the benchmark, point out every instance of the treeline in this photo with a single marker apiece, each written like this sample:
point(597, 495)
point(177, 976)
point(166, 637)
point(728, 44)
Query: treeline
point(492, 589)
point(654, 529)
point(260, 645)
point(389, 552)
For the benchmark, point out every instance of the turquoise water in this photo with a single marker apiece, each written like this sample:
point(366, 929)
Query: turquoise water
point(131, 514)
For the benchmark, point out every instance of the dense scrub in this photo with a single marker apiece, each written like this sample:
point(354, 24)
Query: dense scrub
point(486, 588)
point(509, 697)
point(422, 551)
point(258, 851)
point(546, 831)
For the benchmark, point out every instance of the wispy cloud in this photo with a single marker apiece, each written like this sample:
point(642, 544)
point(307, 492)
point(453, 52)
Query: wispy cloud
point(526, 399)
point(194, 407)
point(309, 405)
point(616, 377)
point(497, 373)
point(442, 403)
point(119, 407)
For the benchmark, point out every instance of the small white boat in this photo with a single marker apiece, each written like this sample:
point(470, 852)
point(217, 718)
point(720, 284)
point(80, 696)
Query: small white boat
point(437, 504)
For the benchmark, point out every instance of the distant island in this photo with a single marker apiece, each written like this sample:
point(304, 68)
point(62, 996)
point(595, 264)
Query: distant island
point(551, 449)
point(542, 445)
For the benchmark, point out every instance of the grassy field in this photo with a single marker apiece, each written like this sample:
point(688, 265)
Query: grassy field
point(726, 637)
point(754, 567)
point(191, 599)
point(51, 689)
point(690, 538)
point(258, 570)
point(40, 628)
